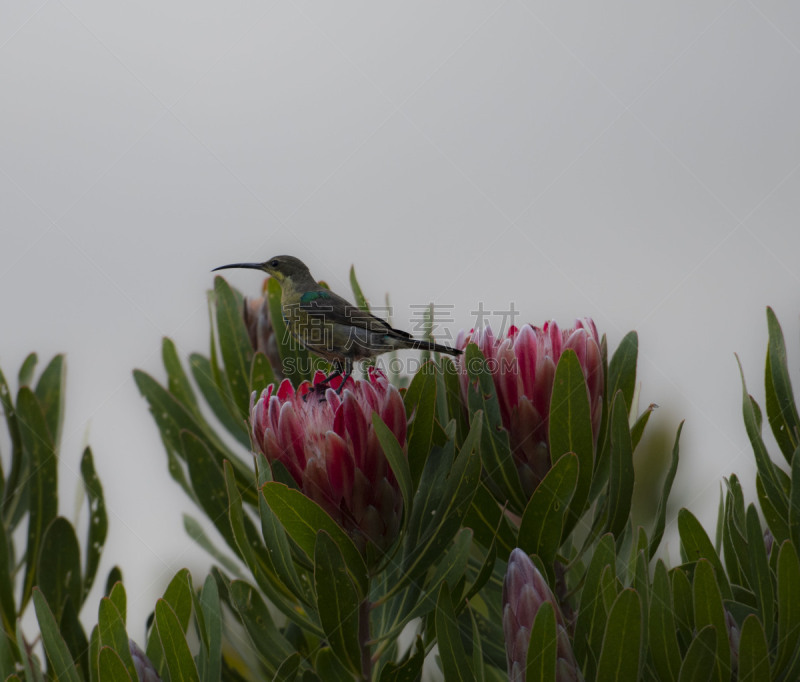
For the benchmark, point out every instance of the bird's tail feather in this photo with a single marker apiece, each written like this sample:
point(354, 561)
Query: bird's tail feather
point(418, 344)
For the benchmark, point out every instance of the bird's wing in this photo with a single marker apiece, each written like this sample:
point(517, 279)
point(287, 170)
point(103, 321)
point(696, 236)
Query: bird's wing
point(334, 309)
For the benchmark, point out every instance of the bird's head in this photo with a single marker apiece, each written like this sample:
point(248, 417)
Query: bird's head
point(282, 268)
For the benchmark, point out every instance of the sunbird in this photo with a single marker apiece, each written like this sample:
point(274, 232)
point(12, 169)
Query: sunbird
point(329, 325)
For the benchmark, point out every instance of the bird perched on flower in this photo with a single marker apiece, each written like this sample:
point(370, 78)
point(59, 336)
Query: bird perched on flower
point(329, 325)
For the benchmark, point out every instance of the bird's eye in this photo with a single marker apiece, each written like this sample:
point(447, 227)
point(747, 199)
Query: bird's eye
point(274, 263)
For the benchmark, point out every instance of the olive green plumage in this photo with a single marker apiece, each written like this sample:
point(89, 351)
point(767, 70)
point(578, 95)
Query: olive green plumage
point(329, 325)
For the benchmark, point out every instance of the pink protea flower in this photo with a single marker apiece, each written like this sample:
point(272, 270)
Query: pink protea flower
point(255, 313)
point(329, 446)
point(523, 366)
point(524, 591)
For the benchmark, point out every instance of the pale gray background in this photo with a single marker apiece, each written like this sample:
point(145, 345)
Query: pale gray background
point(632, 161)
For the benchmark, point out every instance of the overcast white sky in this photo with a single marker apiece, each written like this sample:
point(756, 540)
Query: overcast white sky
point(634, 162)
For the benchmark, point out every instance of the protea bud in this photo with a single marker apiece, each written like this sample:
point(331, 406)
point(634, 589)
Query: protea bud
point(524, 591)
point(523, 367)
point(259, 328)
point(144, 668)
point(329, 446)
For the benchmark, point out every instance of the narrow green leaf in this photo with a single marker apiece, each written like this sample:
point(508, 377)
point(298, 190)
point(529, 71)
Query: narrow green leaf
point(280, 551)
point(620, 484)
point(234, 344)
point(337, 601)
point(489, 523)
point(420, 404)
point(619, 657)
point(662, 639)
point(8, 607)
point(794, 500)
point(75, 637)
point(56, 648)
point(682, 604)
point(50, 395)
point(217, 399)
point(540, 665)
point(777, 523)
point(43, 481)
point(112, 634)
point(361, 300)
point(637, 430)
point(98, 521)
point(397, 461)
point(788, 575)
point(661, 513)
point(25, 375)
point(697, 545)
point(753, 652)
point(622, 368)
point(766, 469)
point(451, 650)
point(570, 428)
point(179, 597)
point(212, 617)
point(94, 655)
point(267, 640)
point(302, 518)
point(177, 655)
point(708, 610)
point(287, 671)
point(177, 381)
point(12, 490)
point(111, 667)
point(542, 522)
point(498, 463)
point(261, 374)
point(759, 570)
point(698, 665)
point(59, 574)
point(781, 408)
point(591, 614)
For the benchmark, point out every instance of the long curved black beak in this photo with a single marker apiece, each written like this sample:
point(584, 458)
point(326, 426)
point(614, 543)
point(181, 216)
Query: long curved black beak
point(250, 266)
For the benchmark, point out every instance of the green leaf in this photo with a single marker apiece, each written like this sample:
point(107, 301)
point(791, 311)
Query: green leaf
point(698, 666)
point(177, 381)
point(540, 665)
point(420, 404)
point(75, 637)
point(661, 513)
point(50, 396)
point(622, 368)
point(794, 500)
point(591, 619)
point(43, 481)
point(98, 521)
point(361, 300)
point(542, 522)
point(788, 575)
point(177, 655)
point(30, 662)
point(120, 600)
point(25, 376)
point(697, 545)
point(112, 634)
point(111, 667)
point(212, 617)
point(777, 523)
point(451, 650)
point(8, 607)
point(663, 642)
point(637, 430)
point(287, 671)
point(234, 344)
point(498, 462)
point(267, 640)
point(619, 657)
point(302, 518)
point(54, 644)
point(781, 408)
point(489, 523)
point(397, 461)
point(179, 597)
point(59, 574)
point(708, 610)
point(753, 652)
point(766, 469)
point(570, 428)
point(279, 550)
point(217, 398)
point(759, 569)
point(682, 604)
point(620, 484)
point(261, 374)
point(12, 490)
point(337, 601)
